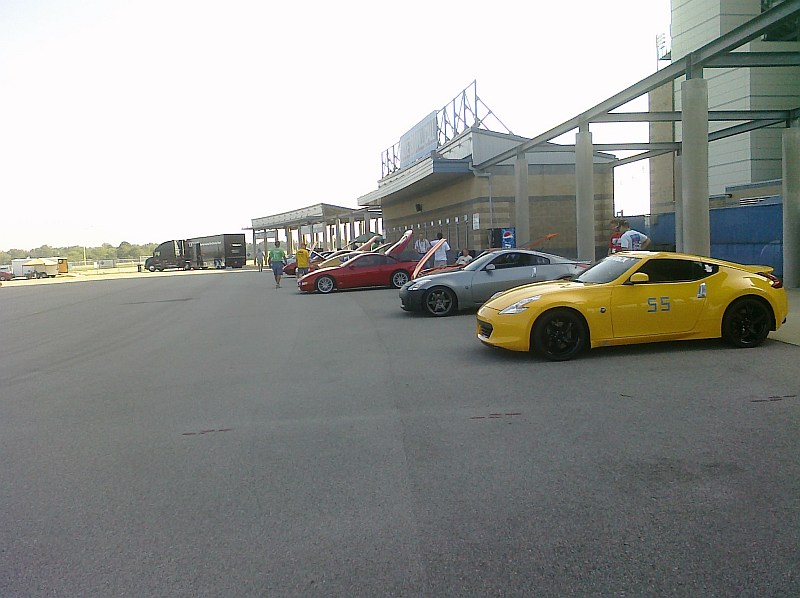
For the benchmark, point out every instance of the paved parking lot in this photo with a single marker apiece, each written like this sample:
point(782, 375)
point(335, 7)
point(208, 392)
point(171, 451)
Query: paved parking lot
point(208, 434)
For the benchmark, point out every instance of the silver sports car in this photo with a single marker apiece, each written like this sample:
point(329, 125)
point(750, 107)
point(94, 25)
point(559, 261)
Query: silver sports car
point(446, 293)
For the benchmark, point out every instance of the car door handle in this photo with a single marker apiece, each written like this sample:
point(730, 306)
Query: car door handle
point(701, 292)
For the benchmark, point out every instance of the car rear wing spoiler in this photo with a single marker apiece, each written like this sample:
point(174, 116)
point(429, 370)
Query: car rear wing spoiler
point(535, 242)
point(759, 269)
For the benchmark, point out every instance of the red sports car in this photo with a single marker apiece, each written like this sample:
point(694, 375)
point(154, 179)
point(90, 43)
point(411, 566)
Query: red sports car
point(368, 270)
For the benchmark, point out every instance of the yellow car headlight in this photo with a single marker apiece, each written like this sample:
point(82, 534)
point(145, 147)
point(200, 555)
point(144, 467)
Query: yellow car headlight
point(520, 306)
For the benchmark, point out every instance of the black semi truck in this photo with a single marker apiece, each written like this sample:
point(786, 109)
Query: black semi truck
point(216, 251)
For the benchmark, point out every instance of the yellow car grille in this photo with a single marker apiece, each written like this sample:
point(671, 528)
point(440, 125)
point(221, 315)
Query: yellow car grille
point(484, 329)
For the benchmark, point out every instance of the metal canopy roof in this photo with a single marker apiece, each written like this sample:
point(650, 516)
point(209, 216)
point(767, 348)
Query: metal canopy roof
point(716, 54)
point(320, 212)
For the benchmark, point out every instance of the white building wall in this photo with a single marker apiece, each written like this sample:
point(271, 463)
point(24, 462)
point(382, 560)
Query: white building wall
point(750, 157)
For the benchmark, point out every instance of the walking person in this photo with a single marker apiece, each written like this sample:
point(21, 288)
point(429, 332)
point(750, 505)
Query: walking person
point(260, 258)
point(276, 259)
point(631, 240)
point(440, 255)
point(303, 258)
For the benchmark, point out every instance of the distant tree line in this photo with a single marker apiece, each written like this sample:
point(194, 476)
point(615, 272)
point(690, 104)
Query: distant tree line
point(125, 251)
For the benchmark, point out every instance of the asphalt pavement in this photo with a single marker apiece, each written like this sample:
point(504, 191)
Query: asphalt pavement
point(205, 434)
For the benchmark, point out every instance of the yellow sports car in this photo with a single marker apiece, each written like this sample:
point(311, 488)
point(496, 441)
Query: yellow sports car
point(637, 297)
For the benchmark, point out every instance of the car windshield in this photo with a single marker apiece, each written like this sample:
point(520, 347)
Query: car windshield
point(607, 269)
point(481, 261)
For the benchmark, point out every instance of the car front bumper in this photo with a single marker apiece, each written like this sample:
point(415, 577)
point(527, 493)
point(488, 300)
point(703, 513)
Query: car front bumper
point(505, 331)
point(306, 286)
point(411, 300)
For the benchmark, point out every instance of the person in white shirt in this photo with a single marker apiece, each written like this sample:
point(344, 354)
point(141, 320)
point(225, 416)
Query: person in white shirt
point(464, 259)
point(422, 245)
point(440, 255)
point(631, 240)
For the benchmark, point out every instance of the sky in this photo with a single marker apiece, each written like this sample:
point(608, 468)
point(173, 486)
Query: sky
point(148, 120)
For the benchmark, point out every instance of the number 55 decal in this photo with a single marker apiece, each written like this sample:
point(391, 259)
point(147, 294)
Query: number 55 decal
point(655, 304)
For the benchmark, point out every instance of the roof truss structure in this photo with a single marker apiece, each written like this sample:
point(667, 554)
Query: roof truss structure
point(719, 53)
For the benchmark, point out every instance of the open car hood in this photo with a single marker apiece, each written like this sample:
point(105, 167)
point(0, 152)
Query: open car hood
point(401, 244)
point(426, 257)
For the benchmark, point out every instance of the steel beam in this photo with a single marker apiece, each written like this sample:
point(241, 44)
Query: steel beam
point(694, 61)
point(716, 115)
point(754, 59)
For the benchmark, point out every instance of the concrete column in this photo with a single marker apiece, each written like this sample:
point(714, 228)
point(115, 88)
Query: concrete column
point(584, 195)
point(694, 167)
point(352, 230)
point(338, 234)
point(288, 240)
point(677, 195)
point(791, 207)
point(522, 205)
point(325, 236)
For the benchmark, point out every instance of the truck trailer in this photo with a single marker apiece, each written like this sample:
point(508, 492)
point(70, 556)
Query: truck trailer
point(217, 251)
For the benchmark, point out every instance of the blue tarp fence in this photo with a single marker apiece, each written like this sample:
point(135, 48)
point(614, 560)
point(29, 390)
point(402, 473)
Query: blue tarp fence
point(742, 234)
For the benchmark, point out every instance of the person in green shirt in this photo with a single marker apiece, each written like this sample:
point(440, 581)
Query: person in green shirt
point(276, 259)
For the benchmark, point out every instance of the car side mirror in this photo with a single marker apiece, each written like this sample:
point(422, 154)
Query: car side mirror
point(489, 267)
point(639, 278)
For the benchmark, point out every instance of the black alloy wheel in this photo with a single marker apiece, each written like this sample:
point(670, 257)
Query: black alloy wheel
point(559, 335)
point(746, 323)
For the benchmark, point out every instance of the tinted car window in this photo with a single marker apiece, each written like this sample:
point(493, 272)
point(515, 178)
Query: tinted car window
point(365, 261)
point(539, 260)
point(512, 260)
point(676, 270)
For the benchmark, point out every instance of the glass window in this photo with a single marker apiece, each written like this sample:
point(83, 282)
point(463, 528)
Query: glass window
point(539, 260)
point(608, 269)
point(512, 260)
point(676, 270)
point(369, 260)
